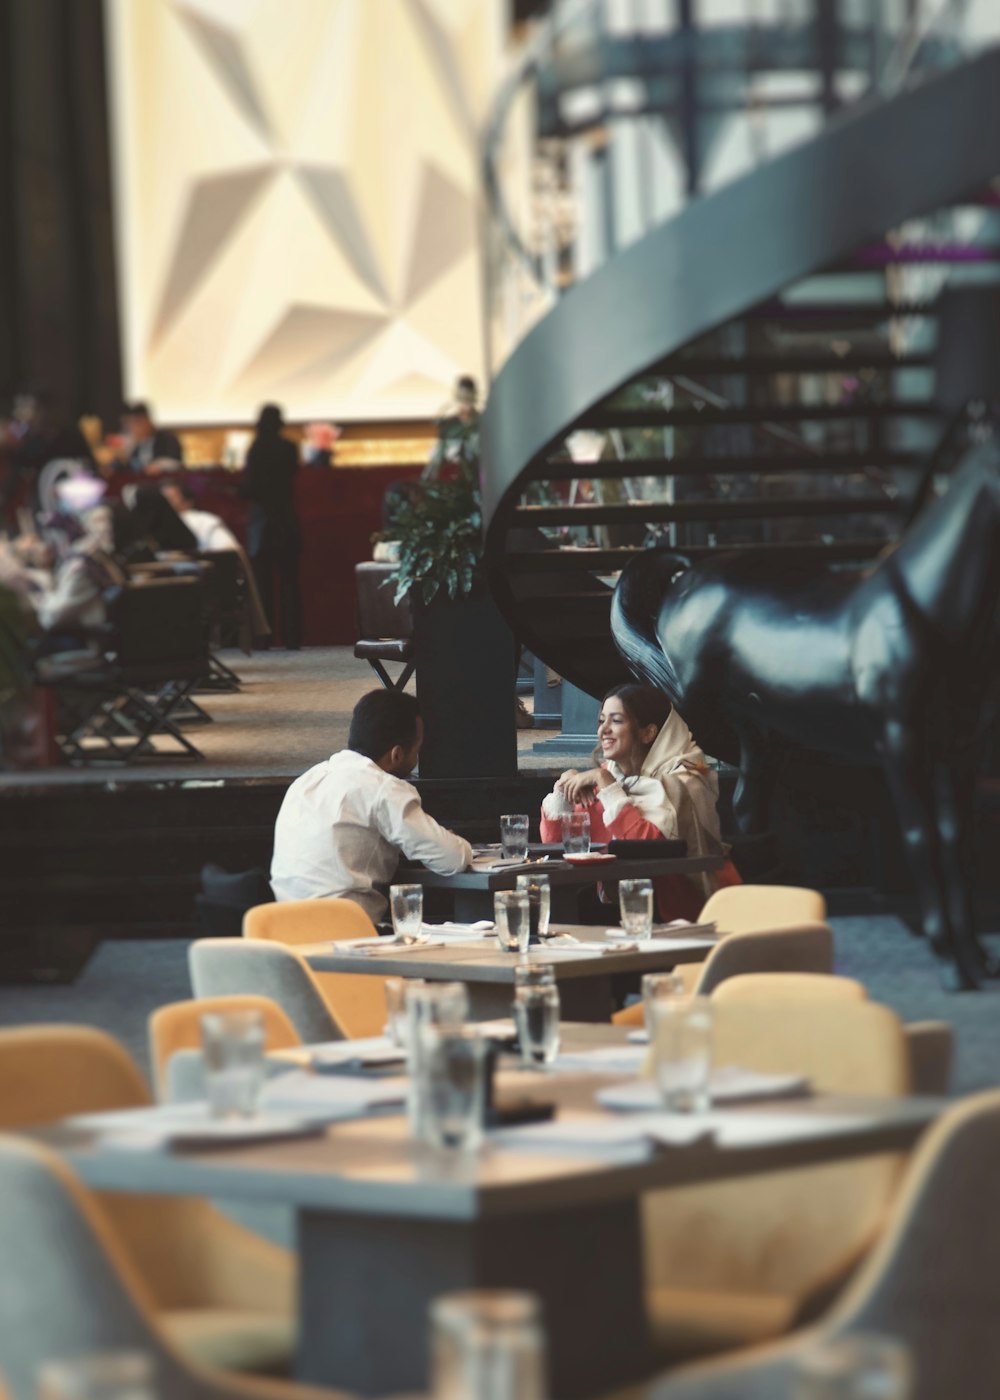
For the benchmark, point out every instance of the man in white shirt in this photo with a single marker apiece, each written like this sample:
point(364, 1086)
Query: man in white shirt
point(209, 530)
point(344, 824)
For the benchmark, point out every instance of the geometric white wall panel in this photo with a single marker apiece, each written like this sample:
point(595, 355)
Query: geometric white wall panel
point(297, 202)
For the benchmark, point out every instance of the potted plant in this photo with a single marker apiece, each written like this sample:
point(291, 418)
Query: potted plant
point(463, 648)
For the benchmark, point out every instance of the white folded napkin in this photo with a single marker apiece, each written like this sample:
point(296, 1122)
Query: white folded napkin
point(187, 1125)
point(326, 1097)
point(617, 1137)
point(728, 1084)
point(679, 928)
point(604, 1059)
point(453, 932)
point(385, 947)
point(367, 1050)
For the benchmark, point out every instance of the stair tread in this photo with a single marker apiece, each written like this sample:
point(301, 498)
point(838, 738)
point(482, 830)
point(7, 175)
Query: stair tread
point(757, 508)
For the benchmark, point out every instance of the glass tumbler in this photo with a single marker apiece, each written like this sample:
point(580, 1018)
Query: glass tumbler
point(487, 1345)
point(396, 991)
point(681, 1036)
point(445, 1006)
point(108, 1375)
point(233, 1048)
point(660, 984)
point(576, 833)
point(454, 1093)
point(406, 905)
point(536, 1015)
point(514, 835)
point(512, 916)
point(539, 903)
point(855, 1366)
point(635, 900)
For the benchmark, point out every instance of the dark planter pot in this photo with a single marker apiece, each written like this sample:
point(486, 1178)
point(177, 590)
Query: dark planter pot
point(465, 684)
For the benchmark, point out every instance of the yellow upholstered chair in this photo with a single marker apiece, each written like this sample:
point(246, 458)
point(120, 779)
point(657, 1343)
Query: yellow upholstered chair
point(226, 1296)
point(748, 908)
point(805, 948)
point(177, 1026)
point(738, 1262)
point(356, 1000)
point(790, 986)
point(930, 1280)
point(69, 1288)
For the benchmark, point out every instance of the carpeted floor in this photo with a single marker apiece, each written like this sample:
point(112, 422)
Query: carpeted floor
point(125, 981)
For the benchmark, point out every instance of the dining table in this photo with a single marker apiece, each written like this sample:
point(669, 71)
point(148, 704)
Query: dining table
point(386, 1224)
point(587, 971)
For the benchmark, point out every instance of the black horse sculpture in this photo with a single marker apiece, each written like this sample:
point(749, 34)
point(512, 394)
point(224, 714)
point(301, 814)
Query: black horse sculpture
point(895, 667)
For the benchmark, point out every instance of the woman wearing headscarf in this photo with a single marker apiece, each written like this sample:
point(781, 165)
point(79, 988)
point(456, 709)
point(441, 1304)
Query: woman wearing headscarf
point(651, 783)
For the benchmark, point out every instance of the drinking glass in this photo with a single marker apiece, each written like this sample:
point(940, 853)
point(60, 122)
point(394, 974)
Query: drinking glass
point(539, 903)
point(511, 913)
point(454, 1063)
point(396, 990)
point(487, 1345)
point(576, 833)
point(635, 900)
point(681, 1035)
point(514, 835)
point(856, 1366)
point(660, 984)
point(406, 904)
point(530, 974)
point(233, 1047)
point(444, 1005)
point(107, 1375)
point(536, 1015)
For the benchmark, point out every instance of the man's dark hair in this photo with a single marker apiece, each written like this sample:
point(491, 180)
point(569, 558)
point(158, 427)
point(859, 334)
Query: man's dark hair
point(138, 409)
point(381, 720)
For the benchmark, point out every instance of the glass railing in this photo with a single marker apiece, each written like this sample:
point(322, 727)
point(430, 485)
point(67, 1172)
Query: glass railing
point(621, 111)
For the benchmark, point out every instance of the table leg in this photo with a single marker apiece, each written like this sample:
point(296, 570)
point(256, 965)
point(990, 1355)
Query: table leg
point(367, 1282)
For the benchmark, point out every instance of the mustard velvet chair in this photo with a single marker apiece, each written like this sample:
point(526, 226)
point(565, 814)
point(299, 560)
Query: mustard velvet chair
point(793, 986)
point(357, 1001)
point(733, 1263)
point(806, 948)
point(177, 1026)
point(225, 1296)
point(255, 967)
point(68, 1287)
point(930, 1280)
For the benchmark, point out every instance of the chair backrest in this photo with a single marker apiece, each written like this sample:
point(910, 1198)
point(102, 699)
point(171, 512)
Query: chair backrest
point(378, 614)
point(160, 622)
point(66, 1285)
point(798, 948)
point(232, 966)
point(47, 1072)
point(747, 908)
point(177, 1026)
point(788, 986)
point(225, 585)
point(357, 1000)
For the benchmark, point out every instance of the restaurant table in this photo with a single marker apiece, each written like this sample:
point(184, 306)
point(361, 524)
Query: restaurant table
point(385, 1225)
point(583, 977)
point(472, 890)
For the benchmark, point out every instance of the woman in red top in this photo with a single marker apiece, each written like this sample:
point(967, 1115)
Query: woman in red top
point(652, 783)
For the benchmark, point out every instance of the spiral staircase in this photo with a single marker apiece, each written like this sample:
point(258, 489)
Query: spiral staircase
point(755, 368)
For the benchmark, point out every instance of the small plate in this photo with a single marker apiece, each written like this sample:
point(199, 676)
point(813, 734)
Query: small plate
point(589, 858)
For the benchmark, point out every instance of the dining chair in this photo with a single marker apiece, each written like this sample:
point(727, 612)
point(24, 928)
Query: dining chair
point(241, 966)
point(806, 948)
point(356, 1000)
point(226, 1296)
point(930, 1280)
point(177, 1026)
point(731, 1263)
point(69, 1288)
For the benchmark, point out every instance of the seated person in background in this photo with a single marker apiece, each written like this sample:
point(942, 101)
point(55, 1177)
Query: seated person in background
point(344, 824)
point(209, 530)
point(143, 443)
point(652, 783)
point(152, 526)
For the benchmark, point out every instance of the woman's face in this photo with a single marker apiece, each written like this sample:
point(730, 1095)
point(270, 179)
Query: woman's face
point(619, 737)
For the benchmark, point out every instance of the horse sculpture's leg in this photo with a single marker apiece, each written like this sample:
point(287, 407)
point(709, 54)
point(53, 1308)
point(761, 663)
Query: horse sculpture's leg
point(755, 785)
point(956, 796)
point(911, 780)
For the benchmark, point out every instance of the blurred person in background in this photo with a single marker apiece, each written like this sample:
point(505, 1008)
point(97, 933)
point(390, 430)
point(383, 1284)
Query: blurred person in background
point(273, 536)
point(34, 435)
point(144, 446)
point(456, 452)
point(210, 531)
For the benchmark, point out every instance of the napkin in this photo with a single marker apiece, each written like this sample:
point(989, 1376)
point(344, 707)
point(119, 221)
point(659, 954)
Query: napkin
point(385, 947)
point(728, 1084)
point(604, 1059)
point(187, 1125)
point(679, 928)
point(324, 1098)
point(367, 1050)
point(612, 1136)
point(452, 932)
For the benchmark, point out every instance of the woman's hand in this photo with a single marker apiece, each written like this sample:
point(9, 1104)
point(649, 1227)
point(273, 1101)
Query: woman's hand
point(563, 779)
point(582, 787)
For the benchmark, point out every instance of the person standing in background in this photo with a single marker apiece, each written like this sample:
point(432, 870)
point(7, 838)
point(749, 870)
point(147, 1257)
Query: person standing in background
point(273, 538)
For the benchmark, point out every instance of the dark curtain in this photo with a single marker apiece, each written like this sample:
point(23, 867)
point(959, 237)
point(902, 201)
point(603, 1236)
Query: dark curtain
point(58, 305)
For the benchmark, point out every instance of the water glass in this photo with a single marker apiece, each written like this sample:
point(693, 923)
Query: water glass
point(396, 990)
point(233, 1047)
point(539, 903)
point(445, 1006)
point(531, 974)
point(660, 984)
point(514, 835)
point(406, 904)
point(856, 1366)
point(576, 833)
point(536, 1015)
point(455, 1090)
point(681, 1035)
point(487, 1345)
point(635, 900)
point(512, 916)
point(107, 1375)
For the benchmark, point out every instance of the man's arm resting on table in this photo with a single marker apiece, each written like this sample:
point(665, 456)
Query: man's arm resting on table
point(420, 837)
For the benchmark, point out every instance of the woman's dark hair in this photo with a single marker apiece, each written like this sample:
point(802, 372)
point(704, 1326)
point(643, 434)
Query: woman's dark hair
point(381, 720)
point(642, 703)
point(270, 420)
